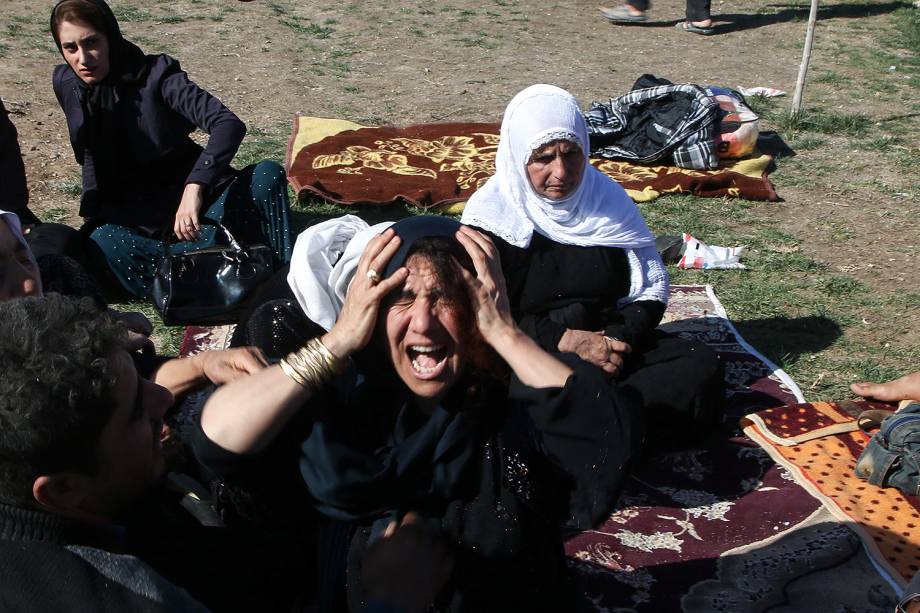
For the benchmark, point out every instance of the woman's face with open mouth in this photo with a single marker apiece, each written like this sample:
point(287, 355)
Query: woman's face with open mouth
point(424, 334)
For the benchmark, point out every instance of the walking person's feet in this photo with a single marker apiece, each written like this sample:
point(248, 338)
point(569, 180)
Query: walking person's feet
point(623, 14)
point(696, 27)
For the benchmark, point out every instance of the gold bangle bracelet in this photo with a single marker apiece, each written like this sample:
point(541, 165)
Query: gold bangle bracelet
point(312, 365)
point(291, 372)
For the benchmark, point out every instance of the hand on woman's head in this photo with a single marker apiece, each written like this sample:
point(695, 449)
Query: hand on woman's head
point(356, 322)
point(487, 290)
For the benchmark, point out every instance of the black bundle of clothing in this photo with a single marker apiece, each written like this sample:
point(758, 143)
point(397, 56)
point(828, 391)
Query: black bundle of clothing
point(657, 121)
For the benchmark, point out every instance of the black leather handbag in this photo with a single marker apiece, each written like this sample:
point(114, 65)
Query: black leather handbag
point(209, 286)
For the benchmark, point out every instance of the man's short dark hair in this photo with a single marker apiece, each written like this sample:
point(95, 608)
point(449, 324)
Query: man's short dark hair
point(55, 388)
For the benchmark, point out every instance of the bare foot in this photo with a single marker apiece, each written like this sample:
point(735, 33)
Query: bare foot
point(904, 388)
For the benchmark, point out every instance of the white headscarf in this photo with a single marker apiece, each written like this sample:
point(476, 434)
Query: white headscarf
point(323, 264)
point(597, 213)
point(12, 220)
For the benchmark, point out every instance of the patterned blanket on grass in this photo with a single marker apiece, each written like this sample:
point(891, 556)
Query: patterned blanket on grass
point(723, 528)
point(819, 443)
point(440, 165)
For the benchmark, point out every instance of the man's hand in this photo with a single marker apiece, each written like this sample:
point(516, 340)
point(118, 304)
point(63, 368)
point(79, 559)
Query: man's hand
point(221, 367)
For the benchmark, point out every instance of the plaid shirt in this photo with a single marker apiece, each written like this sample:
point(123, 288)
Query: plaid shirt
point(690, 143)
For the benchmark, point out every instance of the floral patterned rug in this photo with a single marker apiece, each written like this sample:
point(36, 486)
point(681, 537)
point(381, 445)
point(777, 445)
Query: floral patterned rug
point(717, 529)
point(724, 528)
point(439, 165)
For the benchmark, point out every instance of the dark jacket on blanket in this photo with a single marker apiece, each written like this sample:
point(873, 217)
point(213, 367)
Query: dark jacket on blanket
point(673, 124)
point(134, 144)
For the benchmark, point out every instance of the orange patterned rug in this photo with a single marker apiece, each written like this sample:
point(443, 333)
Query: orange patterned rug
point(819, 444)
point(440, 165)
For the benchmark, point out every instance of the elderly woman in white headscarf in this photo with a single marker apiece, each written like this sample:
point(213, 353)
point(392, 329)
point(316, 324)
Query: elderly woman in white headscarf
point(582, 270)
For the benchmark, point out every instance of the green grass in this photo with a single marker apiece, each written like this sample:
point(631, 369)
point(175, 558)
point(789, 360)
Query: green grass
point(167, 339)
point(261, 144)
point(56, 214)
point(479, 40)
point(127, 13)
point(3, 49)
point(825, 122)
point(70, 187)
point(796, 310)
point(907, 22)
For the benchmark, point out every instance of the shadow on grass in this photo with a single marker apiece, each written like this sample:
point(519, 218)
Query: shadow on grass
point(736, 22)
point(783, 340)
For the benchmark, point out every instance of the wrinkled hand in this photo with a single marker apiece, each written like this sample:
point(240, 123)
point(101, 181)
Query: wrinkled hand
point(487, 289)
point(407, 567)
point(602, 351)
point(903, 388)
point(221, 367)
point(186, 225)
point(355, 325)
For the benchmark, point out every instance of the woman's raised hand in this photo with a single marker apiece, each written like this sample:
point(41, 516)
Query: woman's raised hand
point(355, 325)
point(186, 226)
point(487, 288)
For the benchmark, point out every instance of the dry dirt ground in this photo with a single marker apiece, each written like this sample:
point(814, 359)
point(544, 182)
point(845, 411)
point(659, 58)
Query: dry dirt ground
point(849, 204)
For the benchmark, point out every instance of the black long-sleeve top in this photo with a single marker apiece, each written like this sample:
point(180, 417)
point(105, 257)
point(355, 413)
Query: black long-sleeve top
point(554, 287)
point(547, 455)
point(155, 157)
point(14, 192)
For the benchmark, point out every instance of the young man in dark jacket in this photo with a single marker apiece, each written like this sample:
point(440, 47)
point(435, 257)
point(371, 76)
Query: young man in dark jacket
point(81, 483)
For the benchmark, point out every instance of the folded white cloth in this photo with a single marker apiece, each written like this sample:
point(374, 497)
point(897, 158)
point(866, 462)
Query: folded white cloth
point(323, 264)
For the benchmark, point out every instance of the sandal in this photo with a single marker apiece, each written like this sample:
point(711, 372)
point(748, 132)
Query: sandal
point(686, 26)
point(621, 14)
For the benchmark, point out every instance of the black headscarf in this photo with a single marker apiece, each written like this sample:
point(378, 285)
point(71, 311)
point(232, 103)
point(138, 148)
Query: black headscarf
point(127, 66)
point(367, 460)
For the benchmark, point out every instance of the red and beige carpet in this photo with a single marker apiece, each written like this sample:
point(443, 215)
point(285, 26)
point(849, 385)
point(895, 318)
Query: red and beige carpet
point(440, 165)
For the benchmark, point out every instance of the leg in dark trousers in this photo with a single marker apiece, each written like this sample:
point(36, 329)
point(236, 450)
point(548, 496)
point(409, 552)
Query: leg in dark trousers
point(680, 385)
point(698, 10)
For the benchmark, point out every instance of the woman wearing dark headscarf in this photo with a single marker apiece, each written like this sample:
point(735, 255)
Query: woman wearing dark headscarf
point(582, 270)
point(129, 116)
point(398, 407)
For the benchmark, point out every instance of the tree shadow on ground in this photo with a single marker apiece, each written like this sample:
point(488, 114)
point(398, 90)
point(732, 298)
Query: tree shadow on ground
point(736, 22)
